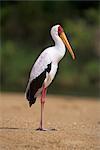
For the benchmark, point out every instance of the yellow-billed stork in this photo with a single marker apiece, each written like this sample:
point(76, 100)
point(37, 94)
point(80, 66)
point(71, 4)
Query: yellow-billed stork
point(45, 68)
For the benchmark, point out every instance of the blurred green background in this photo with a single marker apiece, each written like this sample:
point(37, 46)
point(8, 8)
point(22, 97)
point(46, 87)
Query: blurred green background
point(25, 32)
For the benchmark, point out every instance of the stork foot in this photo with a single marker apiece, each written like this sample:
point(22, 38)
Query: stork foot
point(44, 129)
point(41, 129)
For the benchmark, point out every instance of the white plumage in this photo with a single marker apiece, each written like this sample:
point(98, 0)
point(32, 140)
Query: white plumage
point(45, 67)
point(50, 55)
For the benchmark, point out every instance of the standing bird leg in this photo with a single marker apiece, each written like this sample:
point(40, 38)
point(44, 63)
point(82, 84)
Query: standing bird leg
point(43, 96)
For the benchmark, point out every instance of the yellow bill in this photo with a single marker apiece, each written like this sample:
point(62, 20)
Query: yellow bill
point(65, 40)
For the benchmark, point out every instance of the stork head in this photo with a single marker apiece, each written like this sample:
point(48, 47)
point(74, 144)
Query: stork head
point(58, 30)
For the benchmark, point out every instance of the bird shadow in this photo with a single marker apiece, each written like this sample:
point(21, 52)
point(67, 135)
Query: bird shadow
point(26, 129)
point(11, 128)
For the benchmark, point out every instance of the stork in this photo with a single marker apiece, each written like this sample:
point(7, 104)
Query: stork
point(45, 68)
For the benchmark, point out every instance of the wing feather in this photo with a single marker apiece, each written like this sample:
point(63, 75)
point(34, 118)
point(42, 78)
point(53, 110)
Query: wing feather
point(37, 76)
point(40, 65)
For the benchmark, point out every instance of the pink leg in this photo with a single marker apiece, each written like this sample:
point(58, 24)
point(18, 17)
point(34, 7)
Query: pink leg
point(43, 96)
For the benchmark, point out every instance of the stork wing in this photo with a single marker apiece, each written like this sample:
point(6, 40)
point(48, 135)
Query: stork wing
point(37, 76)
point(40, 65)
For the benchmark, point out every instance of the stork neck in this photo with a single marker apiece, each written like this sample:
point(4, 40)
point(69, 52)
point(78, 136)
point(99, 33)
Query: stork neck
point(58, 42)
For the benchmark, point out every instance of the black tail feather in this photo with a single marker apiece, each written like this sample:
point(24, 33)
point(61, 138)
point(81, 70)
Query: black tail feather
point(32, 102)
point(35, 85)
point(30, 97)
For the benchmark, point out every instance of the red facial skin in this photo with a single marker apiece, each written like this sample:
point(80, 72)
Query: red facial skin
point(60, 30)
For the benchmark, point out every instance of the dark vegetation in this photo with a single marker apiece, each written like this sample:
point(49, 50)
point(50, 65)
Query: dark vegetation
point(25, 32)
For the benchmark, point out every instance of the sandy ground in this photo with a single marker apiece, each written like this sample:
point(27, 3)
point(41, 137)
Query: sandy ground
point(77, 121)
